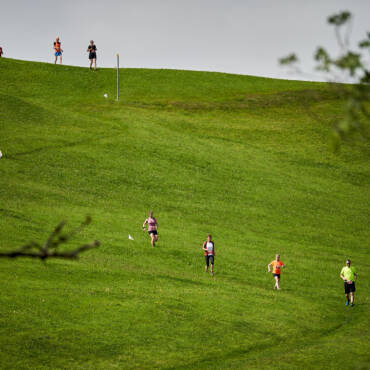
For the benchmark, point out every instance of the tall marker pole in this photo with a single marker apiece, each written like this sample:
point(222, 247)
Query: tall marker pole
point(117, 77)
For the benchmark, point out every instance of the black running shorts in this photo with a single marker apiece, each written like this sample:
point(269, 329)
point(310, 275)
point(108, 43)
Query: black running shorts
point(209, 259)
point(348, 288)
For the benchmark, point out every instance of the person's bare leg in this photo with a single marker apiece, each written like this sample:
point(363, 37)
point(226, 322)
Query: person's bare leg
point(277, 283)
point(91, 61)
point(60, 59)
point(55, 60)
point(352, 298)
point(347, 298)
point(94, 64)
point(156, 237)
point(211, 268)
point(153, 240)
point(206, 268)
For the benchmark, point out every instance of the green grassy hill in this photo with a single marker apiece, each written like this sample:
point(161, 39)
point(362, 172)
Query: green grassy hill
point(235, 156)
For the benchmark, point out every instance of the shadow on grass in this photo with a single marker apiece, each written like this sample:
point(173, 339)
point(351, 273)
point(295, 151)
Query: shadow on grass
point(179, 280)
point(211, 360)
point(12, 214)
point(59, 146)
point(246, 102)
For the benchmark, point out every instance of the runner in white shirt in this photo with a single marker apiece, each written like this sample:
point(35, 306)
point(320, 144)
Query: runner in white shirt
point(209, 252)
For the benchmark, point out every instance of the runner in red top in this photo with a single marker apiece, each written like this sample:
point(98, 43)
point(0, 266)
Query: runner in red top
point(57, 50)
point(277, 265)
point(152, 228)
point(209, 252)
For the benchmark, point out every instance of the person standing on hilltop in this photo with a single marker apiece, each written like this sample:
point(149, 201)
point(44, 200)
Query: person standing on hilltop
point(1, 52)
point(58, 50)
point(152, 228)
point(349, 276)
point(209, 253)
point(277, 265)
point(91, 49)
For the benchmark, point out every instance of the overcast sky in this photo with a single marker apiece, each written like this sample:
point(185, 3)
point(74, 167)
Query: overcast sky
point(236, 36)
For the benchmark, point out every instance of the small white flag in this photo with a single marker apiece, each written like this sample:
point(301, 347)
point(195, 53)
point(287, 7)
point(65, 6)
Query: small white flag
point(130, 237)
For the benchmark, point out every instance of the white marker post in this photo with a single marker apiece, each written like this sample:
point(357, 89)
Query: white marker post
point(117, 77)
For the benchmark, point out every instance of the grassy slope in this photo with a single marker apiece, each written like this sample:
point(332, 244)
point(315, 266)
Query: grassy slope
point(236, 156)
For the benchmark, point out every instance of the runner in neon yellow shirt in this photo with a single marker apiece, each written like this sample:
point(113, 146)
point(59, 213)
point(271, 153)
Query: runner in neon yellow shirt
point(349, 276)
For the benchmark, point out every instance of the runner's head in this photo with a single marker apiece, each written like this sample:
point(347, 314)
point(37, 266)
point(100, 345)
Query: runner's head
point(57, 39)
point(91, 42)
point(150, 213)
point(277, 257)
point(209, 237)
point(348, 262)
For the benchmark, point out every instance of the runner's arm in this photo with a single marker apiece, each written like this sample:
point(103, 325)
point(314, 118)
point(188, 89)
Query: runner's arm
point(342, 277)
point(355, 275)
point(268, 267)
point(145, 222)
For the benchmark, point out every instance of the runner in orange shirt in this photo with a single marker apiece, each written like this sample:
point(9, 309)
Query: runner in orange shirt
point(277, 265)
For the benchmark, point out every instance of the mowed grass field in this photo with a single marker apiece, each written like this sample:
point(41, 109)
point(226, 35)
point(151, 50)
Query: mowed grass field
point(239, 157)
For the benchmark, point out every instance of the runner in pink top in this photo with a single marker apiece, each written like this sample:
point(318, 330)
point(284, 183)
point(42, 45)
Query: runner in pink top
point(152, 228)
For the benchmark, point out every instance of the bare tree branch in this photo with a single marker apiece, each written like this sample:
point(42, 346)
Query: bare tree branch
point(50, 248)
point(348, 33)
point(53, 234)
point(339, 38)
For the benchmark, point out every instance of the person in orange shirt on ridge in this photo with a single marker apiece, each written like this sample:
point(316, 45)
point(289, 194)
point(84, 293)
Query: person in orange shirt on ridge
point(277, 265)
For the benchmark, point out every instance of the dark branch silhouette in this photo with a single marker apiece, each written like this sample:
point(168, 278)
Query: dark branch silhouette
point(50, 248)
